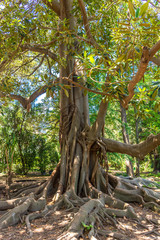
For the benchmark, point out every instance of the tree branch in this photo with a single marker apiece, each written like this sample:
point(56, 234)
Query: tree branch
point(156, 60)
point(137, 150)
point(36, 48)
point(85, 20)
point(98, 125)
point(147, 55)
point(154, 49)
point(54, 5)
point(26, 102)
point(40, 63)
point(88, 32)
point(88, 89)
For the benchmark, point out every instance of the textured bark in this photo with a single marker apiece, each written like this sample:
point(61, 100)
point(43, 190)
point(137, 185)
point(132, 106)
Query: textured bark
point(136, 150)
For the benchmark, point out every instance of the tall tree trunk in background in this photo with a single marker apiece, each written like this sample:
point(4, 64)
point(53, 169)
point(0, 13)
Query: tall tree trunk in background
point(129, 165)
point(156, 163)
point(137, 119)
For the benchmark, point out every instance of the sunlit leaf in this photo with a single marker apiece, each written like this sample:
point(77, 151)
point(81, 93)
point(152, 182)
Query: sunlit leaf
point(131, 8)
point(66, 92)
point(143, 9)
point(155, 92)
point(91, 58)
point(119, 59)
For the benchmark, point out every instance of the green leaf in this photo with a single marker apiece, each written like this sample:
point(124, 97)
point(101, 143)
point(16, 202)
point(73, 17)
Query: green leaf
point(131, 8)
point(45, 76)
point(155, 92)
point(143, 9)
point(85, 92)
point(120, 58)
point(137, 12)
point(47, 93)
point(66, 92)
point(84, 225)
point(91, 58)
point(88, 227)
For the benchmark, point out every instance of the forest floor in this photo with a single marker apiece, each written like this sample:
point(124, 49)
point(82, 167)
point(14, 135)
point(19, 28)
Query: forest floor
point(53, 225)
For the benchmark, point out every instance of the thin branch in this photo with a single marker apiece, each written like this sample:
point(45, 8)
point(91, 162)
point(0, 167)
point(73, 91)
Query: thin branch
point(85, 20)
point(85, 88)
point(24, 64)
point(87, 28)
point(49, 66)
point(36, 48)
point(47, 44)
point(35, 69)
point(137, 150)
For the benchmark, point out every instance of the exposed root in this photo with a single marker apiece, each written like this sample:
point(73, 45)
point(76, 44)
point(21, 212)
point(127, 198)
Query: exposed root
point(127, 192)
point(81, 217)
point(13, 216)
point(98, 207)
point(153, 206)
point(90, 212)
point(9, 204)
point(111, 234)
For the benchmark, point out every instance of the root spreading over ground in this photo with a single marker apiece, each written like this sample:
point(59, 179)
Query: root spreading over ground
point(30, 201)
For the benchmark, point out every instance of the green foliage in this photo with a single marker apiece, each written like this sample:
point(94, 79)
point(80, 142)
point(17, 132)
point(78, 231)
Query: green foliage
point(26, 134)
point(87, 227)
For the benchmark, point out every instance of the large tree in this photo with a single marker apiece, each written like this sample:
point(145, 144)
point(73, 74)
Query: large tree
point(100, 47)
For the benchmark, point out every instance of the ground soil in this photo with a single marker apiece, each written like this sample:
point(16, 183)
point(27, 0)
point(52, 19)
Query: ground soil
point(53, 225)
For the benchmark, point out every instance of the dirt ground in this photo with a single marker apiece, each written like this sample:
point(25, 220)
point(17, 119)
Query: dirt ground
point(53, 225)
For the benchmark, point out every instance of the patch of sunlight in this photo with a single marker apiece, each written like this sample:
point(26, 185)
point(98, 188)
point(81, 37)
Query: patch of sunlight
point(49, 227)
point(149, 216)
point(22, 231)
point(127, 226)
point(63, 223)
point(57, 213)
point(38, 230)
point(140, 232)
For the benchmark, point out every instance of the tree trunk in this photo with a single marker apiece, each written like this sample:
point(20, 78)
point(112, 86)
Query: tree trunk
point(129, 165)
point(137, 141)
point(156, 163)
